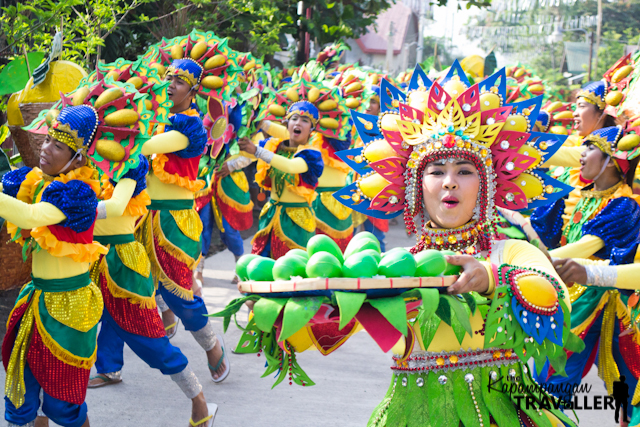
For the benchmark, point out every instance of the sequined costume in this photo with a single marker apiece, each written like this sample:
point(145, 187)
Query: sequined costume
point(124, 275)
point(443, 373)
point(593, 229)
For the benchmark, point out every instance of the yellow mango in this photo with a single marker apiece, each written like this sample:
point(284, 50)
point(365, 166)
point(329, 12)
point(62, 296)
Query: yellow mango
point(14, 116)
point(212, 82)
point(161, 69)
point(110, 150)
point(63, 76)
point(519, 73)
point(489, 101)
point(248, 66)
point(107, 96)
point(353, 103)
point(563, 115)
point(114, 74)
point(418, 100)
point(553, 106)
point(529, 184)
point(79, 96)
point(372, 185)
point(277, 110)
point(329, 123)
point(378, 150)
point(292, 94)
point(537, 88)
point(629, 142)
point(531, 152)
point(621, 73)
point(327, 105)
point(454, 88)
point(52, 114)
point(374, 79)
point(198, 50)
point(613, 98)
point(177, 52)
point(635, 123)
point(121, 118)
point(215, 61)
point(516, 123)
point(390, 122)
point(559, 130)
point(353, 87)
point(148, 104)
point(538, 291)
point(136, 82)
point(313, 94)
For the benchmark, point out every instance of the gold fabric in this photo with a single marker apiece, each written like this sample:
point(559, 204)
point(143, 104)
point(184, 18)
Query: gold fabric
point(188, 222)
point(80, 309)
point(134, 256)
point(575, 292)
point(14, 387)
point(336, 208)
point(240, 179)
point(303, 217)
point(607, 368)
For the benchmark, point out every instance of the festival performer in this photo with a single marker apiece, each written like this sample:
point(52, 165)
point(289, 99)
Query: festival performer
point(594, 228)
point(171, 231)
point(290, 168)
point(50, 343)
point(446, 157)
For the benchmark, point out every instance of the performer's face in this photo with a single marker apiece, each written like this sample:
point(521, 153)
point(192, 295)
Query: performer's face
point(374, 108)
point(450, 192)
point(586, 117)
point(592, 161)
point(180, 93)
point(299, 128)
point(54, 155)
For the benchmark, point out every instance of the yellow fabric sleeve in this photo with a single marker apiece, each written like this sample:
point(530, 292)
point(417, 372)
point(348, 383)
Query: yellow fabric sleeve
point(295, 165)
point(122, 193)
point(627, 274)
point(583, 248)
point(277, 130)
point(167, 142)
point(524, 254)
point(28, 216)
point(568, 157)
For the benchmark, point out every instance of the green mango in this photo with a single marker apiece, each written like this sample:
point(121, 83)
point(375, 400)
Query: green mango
point(289, 266)
point(299, 253)
point(397, 263)
point(399, 248)
point(360, 265)
point(431, 263)
point(323, 264)
point(242, 263)
point(360, 245)
point(365, 235)
point(324, 243)
point(451, 270)
point(261, 269)
point(373, 253)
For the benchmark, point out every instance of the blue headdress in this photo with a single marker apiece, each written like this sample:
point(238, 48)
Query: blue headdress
point(75, 126)
point(595, 93)
point(304, 108)
point(187, 69)
point(621, 149)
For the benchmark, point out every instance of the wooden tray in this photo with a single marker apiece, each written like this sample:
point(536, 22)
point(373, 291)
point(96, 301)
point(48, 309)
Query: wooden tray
point(344, 284)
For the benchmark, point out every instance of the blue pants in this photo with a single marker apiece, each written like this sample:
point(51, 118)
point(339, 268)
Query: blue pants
point(230, 237)
point(158, 353)
point(368, 226)
point(192, 313)
point(577, 363)
point(63, 413)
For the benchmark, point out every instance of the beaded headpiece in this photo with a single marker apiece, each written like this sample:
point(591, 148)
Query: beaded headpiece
point(201, 59)
point(620, 148)
point(107, 121)
point(555, 117)
point(594, 93)
point(439, 122)
point(313, 99)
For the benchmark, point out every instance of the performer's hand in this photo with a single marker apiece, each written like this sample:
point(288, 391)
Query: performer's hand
point(223, 171)
point(474, 276)
point(570, 271)
point(247, 145)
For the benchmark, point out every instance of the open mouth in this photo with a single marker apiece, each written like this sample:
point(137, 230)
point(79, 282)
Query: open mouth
point(450, 202)
point(576, 124)
point(44, 161)
point(169, 92)
point(297, 131)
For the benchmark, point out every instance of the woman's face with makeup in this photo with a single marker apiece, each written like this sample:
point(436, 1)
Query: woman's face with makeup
point(450, 192)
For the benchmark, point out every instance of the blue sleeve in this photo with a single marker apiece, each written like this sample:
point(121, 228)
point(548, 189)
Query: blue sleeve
point(235, 116)
point(339, 145)
point(315, 165)
point(192, 128)
point(263, 142)
point(12, 180)
point(76, 200)
point(618, 225)
point(547, 222)
point(139, 175)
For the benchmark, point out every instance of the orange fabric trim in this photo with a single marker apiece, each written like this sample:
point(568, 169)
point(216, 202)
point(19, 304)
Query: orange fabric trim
point(319, 142)
point(79, 252)
point(175, 179)
point(137, 205)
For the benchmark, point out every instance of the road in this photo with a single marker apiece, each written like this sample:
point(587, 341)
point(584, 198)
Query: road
point(349, 383)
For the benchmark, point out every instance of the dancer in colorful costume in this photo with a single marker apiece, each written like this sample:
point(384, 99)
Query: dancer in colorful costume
point(171, 231)
point(290, 166)
point(50, 343)
point(460, 160)
point(594, 229)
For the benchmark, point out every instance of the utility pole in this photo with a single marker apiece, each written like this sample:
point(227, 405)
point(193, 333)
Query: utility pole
point(389, 59)
point(590, 55)
point(599, 33)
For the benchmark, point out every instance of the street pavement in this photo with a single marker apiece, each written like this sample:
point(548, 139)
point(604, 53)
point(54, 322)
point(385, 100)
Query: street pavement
point(349, 383)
